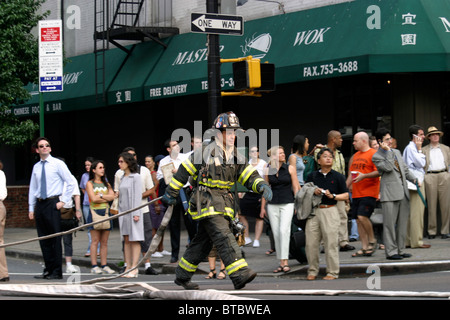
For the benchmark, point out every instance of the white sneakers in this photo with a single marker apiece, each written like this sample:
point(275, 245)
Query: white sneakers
point(96, 270)
point(104, 270)
point(72, 269)
point(107, 270)
point(249, 240)
point(158, 254)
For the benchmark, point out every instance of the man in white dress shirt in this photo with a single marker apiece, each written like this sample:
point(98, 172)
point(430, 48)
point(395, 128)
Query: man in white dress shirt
point(176, 158)
point(437, 182)
point(415, 160)
point(46, 186)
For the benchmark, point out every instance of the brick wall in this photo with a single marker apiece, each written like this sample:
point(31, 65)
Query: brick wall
point(16, 204)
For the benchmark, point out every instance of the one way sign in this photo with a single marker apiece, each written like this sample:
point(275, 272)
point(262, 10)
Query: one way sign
point(217, 24)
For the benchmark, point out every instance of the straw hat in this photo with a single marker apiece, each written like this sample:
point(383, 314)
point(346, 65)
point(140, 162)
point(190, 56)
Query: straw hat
point(432, 130)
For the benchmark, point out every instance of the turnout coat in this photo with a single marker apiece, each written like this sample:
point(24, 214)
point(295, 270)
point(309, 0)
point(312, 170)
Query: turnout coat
point(212, 176)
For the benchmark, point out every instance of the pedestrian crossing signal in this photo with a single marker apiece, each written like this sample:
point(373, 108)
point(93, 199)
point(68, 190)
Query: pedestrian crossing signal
point(247, 74)
point(251, 76)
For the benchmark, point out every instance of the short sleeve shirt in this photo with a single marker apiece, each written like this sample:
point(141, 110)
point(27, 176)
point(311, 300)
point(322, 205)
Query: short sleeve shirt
point(370, 187)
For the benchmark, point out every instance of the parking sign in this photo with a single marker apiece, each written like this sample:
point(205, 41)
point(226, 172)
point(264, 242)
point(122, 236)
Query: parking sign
point(50, 56)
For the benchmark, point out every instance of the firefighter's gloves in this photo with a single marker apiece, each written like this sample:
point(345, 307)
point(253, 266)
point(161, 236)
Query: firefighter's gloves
point(266, 191)
point(168, 199)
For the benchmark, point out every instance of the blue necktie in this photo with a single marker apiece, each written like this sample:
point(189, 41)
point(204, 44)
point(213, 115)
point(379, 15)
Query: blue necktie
point(43, 182)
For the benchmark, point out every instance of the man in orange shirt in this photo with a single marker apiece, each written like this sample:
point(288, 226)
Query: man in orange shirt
point(366, 188)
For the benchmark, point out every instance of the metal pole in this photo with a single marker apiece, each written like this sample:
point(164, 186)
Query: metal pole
point(214, 89)
point(41, 114)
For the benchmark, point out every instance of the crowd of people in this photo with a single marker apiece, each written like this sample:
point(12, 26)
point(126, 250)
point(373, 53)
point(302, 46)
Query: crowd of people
point(377, 177)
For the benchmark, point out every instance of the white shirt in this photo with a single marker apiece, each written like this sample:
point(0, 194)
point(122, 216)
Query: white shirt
point(415, 160)
point(3, 190)
point(262, 164)
point(437, 162)
point(76, 192)
point(166, 160)
point(56, 173)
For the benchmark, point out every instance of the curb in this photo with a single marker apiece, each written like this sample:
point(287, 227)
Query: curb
point(297, 272)
point(366, 269)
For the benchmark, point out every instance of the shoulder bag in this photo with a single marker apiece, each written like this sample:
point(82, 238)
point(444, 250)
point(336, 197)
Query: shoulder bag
point(98, 215)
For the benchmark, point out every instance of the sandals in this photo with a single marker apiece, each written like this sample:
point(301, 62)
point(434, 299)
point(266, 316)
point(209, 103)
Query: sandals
point(212, 274)
point(363, 253)
point(284, 269)
point(269, 252)
point(222, 274)
point(359, 253)
point(372, 246)
point(366, 252)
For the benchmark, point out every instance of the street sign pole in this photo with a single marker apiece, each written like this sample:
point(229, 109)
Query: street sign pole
point(50, 62)
point(41, 114)
point(214, 90)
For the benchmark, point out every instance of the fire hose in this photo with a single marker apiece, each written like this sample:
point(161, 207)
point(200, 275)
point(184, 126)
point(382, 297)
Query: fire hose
point(85, 289)
point(153, 245)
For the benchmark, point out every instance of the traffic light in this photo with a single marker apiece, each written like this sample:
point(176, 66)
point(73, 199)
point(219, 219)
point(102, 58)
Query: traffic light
point(267, 77)
point(247, 74)
point(251, 76)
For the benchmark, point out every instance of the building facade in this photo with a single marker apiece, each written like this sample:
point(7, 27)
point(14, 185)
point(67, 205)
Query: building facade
point(343, 65)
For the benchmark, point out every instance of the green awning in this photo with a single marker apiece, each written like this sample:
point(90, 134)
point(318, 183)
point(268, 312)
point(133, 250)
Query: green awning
point(79, 86)
point(128, 86)
point(351, 38)
point(356, 37)
point(181, 70)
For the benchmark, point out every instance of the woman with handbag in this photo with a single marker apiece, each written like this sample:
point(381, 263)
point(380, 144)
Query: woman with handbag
point(85, 205)
point(131, 225)
point(100, 194)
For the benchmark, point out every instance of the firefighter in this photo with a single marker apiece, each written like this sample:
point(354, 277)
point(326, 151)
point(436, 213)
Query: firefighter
point(215, 168)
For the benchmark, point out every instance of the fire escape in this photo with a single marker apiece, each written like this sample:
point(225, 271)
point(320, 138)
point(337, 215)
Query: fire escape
point(117, 20)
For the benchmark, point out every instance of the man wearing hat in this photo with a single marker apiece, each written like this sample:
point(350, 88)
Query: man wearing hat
point(437, 182)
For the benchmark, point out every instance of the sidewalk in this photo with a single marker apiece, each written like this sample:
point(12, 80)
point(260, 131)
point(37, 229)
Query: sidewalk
point(435, 258)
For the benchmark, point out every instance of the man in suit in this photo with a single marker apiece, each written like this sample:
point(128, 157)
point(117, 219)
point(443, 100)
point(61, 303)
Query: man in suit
point(437, 182)
point(394, 195)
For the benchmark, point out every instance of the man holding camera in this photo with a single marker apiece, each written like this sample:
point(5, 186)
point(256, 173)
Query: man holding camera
point(324, 223)
point(415, 160)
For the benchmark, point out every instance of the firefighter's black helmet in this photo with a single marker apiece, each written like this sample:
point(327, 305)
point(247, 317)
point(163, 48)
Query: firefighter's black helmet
point(227, 120)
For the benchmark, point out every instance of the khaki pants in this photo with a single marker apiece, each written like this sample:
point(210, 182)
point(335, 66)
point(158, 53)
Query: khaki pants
point(436, 187)
point(323, 225)
point(3, 265)
point(414, 235)
point(343, 227)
